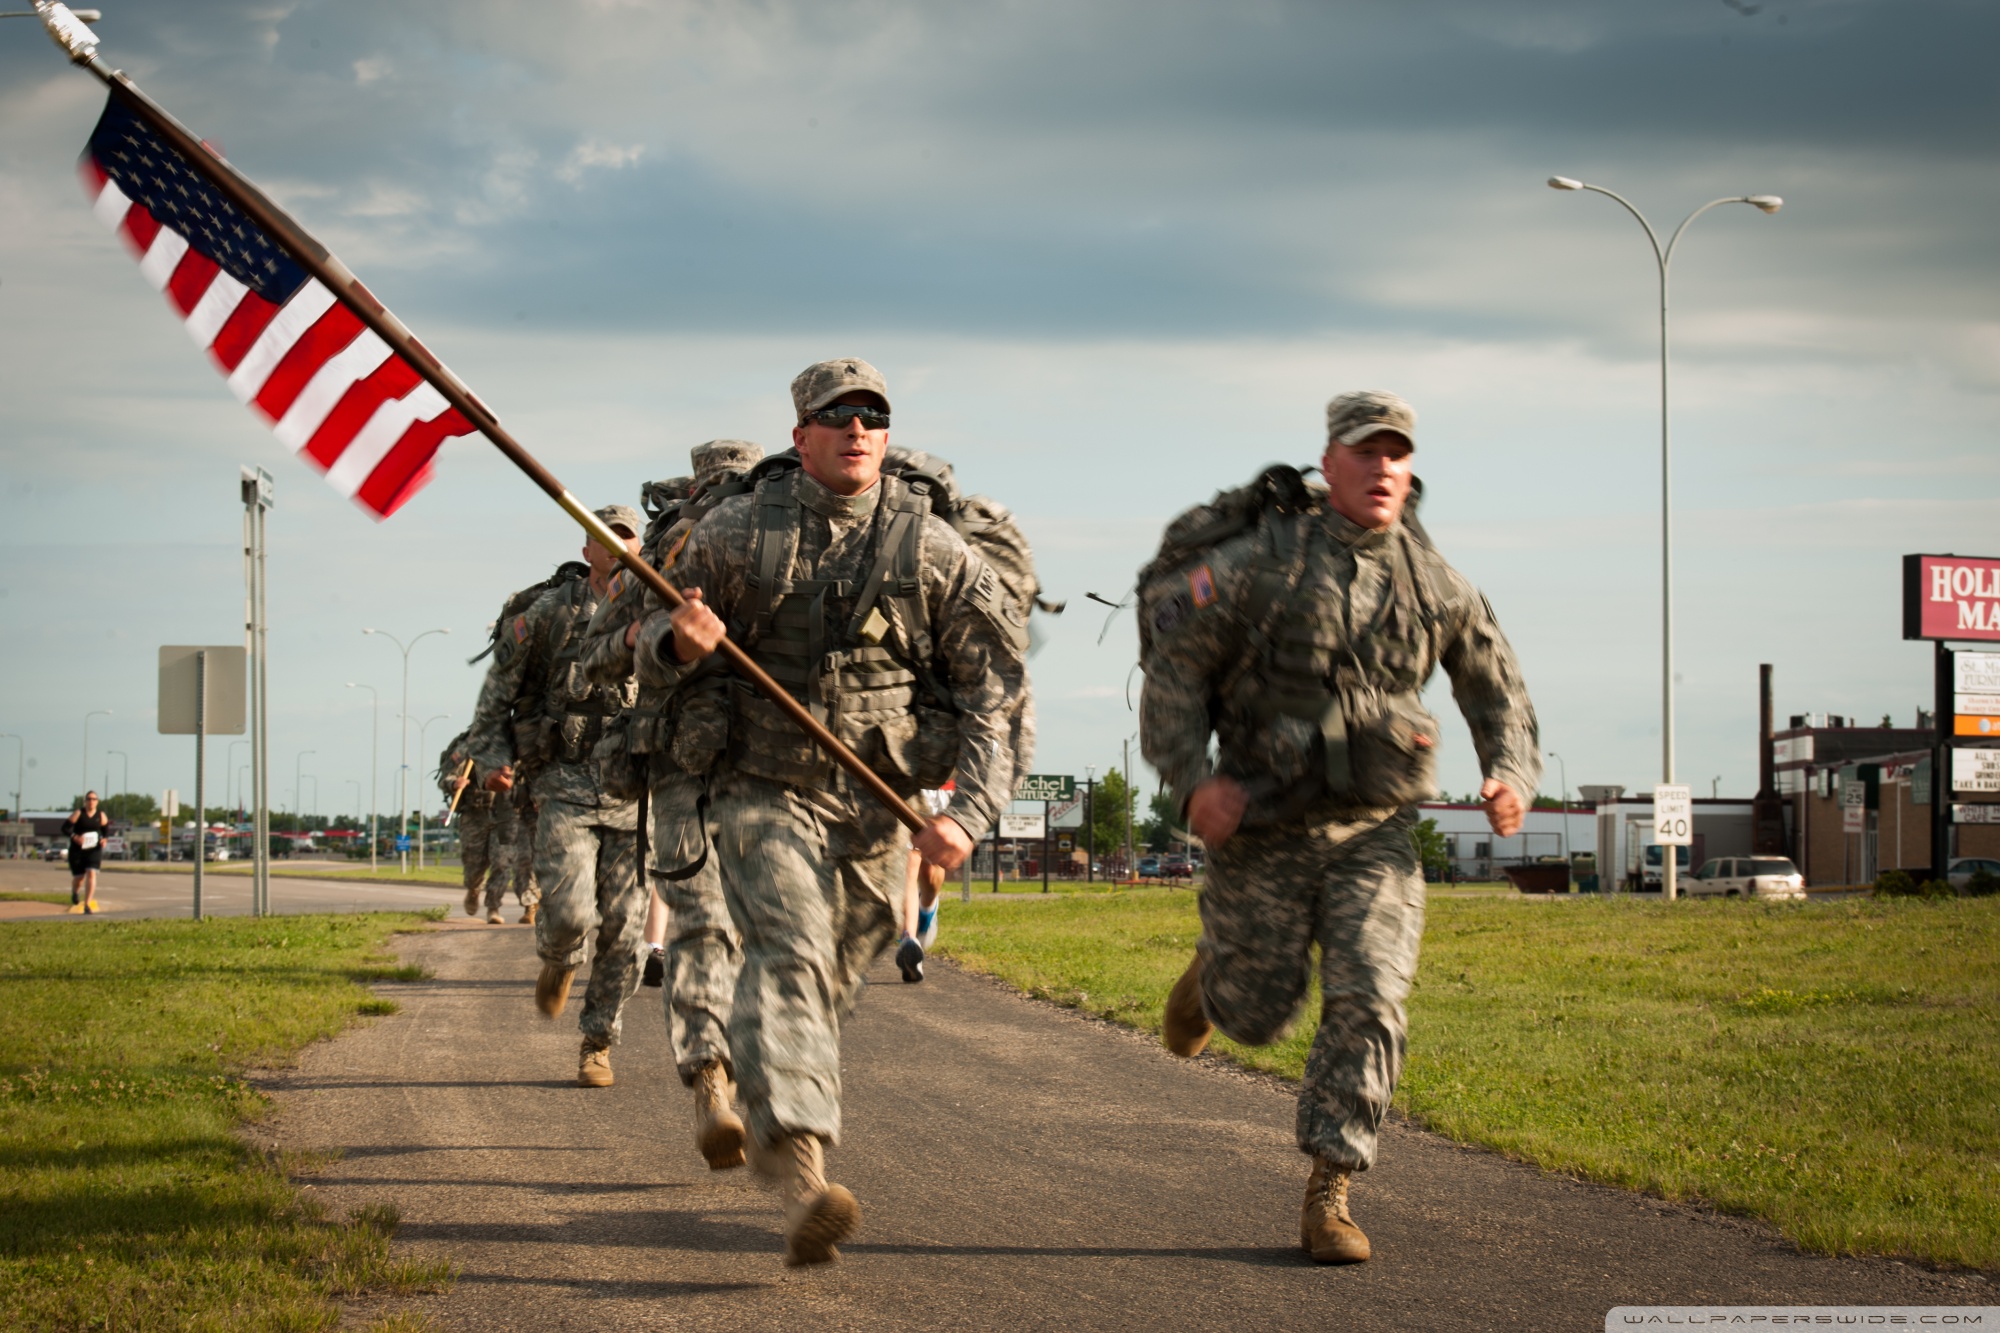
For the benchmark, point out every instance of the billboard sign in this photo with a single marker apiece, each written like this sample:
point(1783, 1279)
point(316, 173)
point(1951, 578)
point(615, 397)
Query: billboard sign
point(1046, 787)
point(1022, 826)
point(1673, 815)
point(1975, 814)
point(1975, 694)
point(1975, 770)
point(1951, 597)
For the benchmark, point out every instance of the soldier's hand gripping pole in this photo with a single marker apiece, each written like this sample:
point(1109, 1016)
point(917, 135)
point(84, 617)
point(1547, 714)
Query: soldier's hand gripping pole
point(81, 45)
point(464, 776)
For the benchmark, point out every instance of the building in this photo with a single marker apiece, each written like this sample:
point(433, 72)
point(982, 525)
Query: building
point(1722, 827)
point(1477, 854)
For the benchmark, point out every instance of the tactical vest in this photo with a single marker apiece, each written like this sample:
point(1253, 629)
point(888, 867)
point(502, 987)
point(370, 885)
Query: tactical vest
point(1316, 708)
point(857, 654)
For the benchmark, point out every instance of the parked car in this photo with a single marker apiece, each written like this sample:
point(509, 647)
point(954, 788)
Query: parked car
point(54, 853)
point(1177, 867)
point(1963, 868)
point(1748, 877)
point(1149, 867)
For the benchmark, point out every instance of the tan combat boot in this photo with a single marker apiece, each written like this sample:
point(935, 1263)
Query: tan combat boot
point(472, 902)
point(718, 1132)
point(1326, 1230)
point(528, 915)
point(593, 1066)
point(552, 989)
point(1184, 1027)
point(493, 918)
point(818, 1216)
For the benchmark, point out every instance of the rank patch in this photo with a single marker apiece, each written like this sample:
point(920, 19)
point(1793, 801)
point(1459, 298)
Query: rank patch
point(1201, 584)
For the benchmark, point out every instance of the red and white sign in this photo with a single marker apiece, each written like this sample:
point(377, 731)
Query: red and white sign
point(1951, 597)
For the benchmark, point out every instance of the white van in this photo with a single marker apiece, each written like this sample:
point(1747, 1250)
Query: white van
point(1748, 877)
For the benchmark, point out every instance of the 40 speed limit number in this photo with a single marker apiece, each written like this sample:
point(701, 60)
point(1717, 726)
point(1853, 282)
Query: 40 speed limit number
point(1673, 816)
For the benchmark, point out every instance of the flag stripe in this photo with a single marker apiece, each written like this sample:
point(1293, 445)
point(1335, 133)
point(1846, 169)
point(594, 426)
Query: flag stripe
point(239, 333)
point(408, 466)
point(323, 392)
point(392, 379)
point(315, 347)
point(285, 328)
point(372, 443)
point(112, 204)
point(191, 281)
point(139, 229)
point(217, 304)
point(162, 257)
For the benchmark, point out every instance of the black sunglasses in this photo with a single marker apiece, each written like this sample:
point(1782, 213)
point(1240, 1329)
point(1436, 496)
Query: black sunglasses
point(840, 414)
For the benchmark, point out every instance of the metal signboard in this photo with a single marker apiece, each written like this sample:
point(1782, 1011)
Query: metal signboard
point(225, 675)
point(1022, 826)
point(170, 803)
point(1046, 787)
point(16, 828)
point(1975, 694)
point(1951, 597)
point(1673, 815)
point(1975, 770)
point(1975, 814)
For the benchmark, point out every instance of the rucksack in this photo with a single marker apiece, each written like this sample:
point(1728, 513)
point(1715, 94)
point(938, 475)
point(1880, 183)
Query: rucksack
point(567, 572)
point(986, 525)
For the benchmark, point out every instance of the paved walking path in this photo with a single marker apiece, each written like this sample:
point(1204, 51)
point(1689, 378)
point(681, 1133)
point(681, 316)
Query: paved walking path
point(133, 894)
point(1019, 1168)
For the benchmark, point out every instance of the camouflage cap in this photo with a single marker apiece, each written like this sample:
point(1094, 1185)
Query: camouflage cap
point(622, 516)
point(824, 381)
point(718, 458)
point(1353, 417)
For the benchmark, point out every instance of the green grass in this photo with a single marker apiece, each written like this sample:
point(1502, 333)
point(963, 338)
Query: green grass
point(30, 896)
point(1833, 1067)
point(127, 1200)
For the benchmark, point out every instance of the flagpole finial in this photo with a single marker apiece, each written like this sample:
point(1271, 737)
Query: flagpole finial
point(68, 31)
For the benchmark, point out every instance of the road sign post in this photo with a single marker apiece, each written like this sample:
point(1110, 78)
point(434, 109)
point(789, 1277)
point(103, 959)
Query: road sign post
point(201, 690)
point(1673, 826)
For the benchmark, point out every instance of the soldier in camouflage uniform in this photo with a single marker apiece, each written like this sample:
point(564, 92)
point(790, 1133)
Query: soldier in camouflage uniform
point(472, 815)
point(1301, 642)
point(537, 709)
point(703, 952)
point(842, 584)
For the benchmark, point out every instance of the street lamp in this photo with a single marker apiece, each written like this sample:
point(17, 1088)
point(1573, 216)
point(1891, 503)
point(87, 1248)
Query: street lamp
point(95, 712)
point(1131, 865)
point(374, 761)
point(424, 747)
point(1090, 823)
point(230, 767)
point(1664, 257)
point(20, 769)
point(403, 773)
point(124, 771)
point(299, 789)
point(1563, 768)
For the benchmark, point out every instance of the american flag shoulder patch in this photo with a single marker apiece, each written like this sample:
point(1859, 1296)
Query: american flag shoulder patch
point(1201, 586)
point(520, 629)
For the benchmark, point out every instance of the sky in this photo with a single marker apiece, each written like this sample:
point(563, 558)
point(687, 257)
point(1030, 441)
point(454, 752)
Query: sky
point(1110, 259)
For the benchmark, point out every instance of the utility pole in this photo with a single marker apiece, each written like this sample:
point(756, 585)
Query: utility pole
point(374, 761)
point(403, 774)
point(1131, 864)
point(1090, 823)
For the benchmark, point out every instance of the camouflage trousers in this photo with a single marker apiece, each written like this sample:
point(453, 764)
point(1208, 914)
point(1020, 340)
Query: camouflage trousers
point(812, 901)
point(704, 955)
point(497, 847)
point(587, 859)
point(1357, 892)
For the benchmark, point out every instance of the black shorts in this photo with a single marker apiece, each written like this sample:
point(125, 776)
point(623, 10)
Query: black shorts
point(81, 859)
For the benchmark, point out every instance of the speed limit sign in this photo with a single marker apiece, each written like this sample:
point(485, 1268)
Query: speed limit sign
point(1673, 816)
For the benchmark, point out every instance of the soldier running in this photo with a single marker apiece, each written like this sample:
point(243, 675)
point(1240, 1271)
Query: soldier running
point(1299, 628)
point(840, 582)
point(677, 736)
point(489, 828)
point(537, 710)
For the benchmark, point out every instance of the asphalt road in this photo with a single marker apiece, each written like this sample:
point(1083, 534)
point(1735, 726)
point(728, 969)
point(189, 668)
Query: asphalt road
point(1018, 1166)
point(132, 894)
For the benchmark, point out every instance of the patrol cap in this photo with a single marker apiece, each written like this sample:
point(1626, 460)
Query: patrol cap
point(622, 516)
point(718, 458)
point(1353, 417)
point(824, 381)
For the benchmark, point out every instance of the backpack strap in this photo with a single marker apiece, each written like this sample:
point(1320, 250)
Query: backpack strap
point(773, 552)
point(1276, 578)
point(897, 570)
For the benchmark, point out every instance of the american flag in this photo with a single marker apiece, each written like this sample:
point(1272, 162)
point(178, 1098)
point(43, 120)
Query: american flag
point(331, 389)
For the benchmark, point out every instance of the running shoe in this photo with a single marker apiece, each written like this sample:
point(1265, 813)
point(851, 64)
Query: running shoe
point(927, 925)
point(910, 960)
point(656, 969)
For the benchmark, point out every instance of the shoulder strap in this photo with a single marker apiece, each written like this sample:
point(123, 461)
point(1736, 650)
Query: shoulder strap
point(775, 548)
point(897, 567)
point(1272, 584)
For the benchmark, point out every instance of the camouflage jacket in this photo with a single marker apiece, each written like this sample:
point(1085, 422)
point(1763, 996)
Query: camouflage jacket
point(969, 647)
point(1330, 679)
point(537, 709)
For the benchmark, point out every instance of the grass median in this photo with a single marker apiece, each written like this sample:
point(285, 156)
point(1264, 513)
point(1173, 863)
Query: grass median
point(127, 1199)
point(1832, 1066)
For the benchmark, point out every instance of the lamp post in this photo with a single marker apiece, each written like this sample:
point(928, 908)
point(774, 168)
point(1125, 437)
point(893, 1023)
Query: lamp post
point(124, 771)
point(1131, 865)
point(230, 767)
point(299, 790)
point(403, 773)
point(1563, 768)
point(374, 761)
point(424, 747)
point(1090, 823)
point(1664, 258)
point(20, 770)
point(95, 712)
